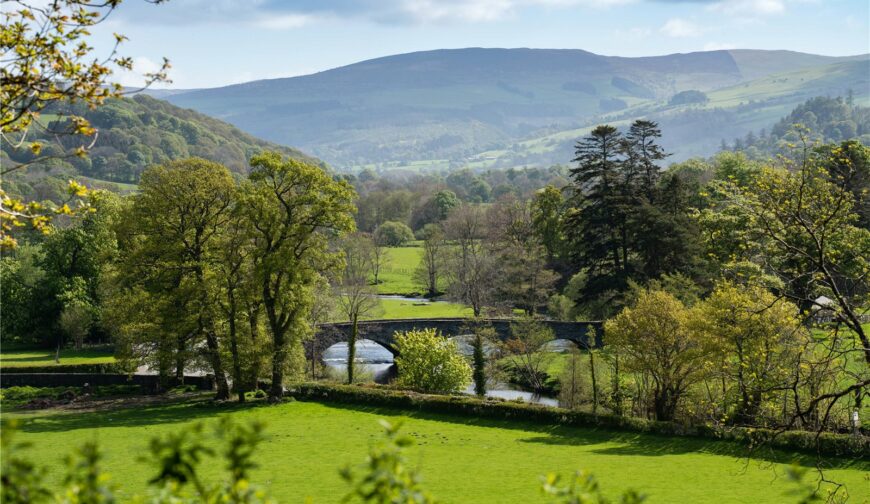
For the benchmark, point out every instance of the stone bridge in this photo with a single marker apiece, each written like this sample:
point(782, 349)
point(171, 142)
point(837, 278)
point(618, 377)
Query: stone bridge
point(383, 331)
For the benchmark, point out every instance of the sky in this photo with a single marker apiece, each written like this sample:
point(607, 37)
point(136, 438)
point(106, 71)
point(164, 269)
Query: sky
point(213, 43)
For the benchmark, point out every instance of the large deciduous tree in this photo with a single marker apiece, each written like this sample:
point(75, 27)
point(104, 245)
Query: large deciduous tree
point(292, 209)
point(654, 339)
point(177, 218)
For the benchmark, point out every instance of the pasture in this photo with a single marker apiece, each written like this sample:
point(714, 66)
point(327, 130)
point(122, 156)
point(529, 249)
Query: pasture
point(461, 459)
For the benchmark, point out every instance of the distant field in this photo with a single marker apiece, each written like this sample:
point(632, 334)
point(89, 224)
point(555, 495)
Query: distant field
point(397, 274)
point(19, 358)
point(460, 459)
point(399, 309)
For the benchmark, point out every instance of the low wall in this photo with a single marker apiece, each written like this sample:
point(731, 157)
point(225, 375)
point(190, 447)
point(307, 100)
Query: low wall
point(149, 383)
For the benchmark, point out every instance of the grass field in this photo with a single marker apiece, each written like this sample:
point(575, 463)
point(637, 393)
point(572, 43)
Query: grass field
point(461, 459)
point(400, 309)
point(17, 358)
point(397, 273)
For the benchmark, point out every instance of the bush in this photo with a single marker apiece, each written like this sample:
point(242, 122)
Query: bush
point(825, 443)
point(430, 363)
point(393, 234)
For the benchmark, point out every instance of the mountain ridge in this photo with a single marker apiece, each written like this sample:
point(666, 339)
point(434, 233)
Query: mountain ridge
point(450, 104)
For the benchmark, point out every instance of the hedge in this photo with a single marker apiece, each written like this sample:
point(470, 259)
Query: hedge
point(104, 368)
point(825, 443)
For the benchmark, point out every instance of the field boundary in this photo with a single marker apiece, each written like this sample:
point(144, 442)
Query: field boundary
point(841, 445)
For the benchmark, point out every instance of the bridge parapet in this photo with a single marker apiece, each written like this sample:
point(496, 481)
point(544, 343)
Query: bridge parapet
point(383, 331)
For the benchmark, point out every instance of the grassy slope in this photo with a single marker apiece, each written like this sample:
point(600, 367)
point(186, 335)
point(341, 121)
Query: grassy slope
point(18, 358)
point(461, 459)
point(397, 273)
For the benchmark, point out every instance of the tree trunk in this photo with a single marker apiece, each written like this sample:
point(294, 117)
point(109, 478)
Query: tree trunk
point(238, 381)
point(351, 348)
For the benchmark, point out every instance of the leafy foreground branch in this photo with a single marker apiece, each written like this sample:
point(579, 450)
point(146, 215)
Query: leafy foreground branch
point(384, 478)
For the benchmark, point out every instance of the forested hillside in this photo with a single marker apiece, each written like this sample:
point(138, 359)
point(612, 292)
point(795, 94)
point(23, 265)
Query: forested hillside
point(825, 119)
point(132, 134)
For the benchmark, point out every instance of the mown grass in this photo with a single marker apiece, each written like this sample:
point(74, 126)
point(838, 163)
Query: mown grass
point(461, 459)
point(397, 273)
point(401, 309)
point(19, 358)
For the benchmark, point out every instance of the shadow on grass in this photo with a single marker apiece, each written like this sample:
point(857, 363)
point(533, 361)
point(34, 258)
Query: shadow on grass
point(613, 442)
point(616, 442)
point(172, 411)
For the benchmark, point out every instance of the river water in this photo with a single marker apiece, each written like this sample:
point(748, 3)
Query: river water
point(377, 361)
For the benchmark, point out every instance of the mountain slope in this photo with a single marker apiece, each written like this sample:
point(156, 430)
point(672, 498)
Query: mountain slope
point(133, 133)
point(453, 104)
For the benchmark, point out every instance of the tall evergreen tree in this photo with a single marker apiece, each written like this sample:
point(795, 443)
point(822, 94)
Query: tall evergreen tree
point(596, 226)
point(641, 142)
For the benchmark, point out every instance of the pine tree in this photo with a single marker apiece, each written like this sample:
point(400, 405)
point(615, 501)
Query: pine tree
point(479, 362)
point(597, 226)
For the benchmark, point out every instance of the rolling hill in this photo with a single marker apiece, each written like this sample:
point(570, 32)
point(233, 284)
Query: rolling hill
point(474, 105)
point(133, 133)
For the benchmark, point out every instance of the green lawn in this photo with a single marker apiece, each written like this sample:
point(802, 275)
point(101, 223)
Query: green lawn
point(18, 358)
point(400, 309)
point(397, 273)
point(461, 459)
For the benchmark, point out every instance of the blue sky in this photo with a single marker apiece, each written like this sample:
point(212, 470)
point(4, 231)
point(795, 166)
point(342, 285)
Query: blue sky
point(218, 42)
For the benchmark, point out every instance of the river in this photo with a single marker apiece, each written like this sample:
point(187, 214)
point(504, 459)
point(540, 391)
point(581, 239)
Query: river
point(377, 361)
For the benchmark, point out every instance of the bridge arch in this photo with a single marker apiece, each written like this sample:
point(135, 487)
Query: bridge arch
point(383, 331)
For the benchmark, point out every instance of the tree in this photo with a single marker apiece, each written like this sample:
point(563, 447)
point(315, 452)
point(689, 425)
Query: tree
point(758, 339)
point(547, 211)
point(393, 234)
point(47, 61)
point(522, 279)
point(428, 272)
point(178, 216)
point(645, 153)
point(805, 227)
point(429, 362)
point(482, 336)
point(356, 298)
point(471, 268)
point(292, 208)
point(654, 339)
point(596, 226)
point(525, 353)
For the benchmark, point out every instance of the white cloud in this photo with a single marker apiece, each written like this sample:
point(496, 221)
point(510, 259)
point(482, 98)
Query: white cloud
point(680, 28)
point(749, 8)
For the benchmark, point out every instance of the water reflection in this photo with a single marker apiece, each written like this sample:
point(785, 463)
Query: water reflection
point(376, 362)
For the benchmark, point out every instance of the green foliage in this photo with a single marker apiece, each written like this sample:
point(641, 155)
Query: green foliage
point(385, 477)
point(393, 234)
point(22, 481)
point(654, 337)
point(582, 488)
point(430, 363)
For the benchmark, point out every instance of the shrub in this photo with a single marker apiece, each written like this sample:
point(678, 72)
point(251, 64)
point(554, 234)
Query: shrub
point(393, 234)
point(805, 441)
point(430, 363)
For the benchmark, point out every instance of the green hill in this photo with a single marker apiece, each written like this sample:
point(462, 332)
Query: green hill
point(454, 105)
point(132, 133)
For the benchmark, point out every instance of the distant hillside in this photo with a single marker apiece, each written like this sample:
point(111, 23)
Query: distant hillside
point(133, 133)
point(828, 120)
point(458, 106)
